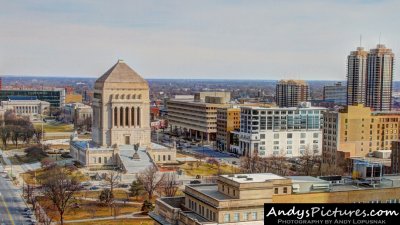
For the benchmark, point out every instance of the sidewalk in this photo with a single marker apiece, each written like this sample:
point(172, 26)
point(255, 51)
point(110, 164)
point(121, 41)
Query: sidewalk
point(136, 215)
point(115, 201)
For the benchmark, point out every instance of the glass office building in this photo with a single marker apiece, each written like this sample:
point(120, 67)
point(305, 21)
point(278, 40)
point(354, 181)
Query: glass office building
point(56, 97)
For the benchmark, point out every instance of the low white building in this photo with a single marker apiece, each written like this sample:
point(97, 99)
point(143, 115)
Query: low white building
point(26, 106)
point(289, 132)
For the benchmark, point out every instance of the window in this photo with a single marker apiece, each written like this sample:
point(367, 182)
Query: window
point(276, 136)
point(246, 216)
point(254, 215)
point(303, 135)
point(289, 135)
point(315, 135)
point(276, 191)
point(226, 217)
point(285, 190)
point(236, 217)
point(262, 136)
point(276, 142)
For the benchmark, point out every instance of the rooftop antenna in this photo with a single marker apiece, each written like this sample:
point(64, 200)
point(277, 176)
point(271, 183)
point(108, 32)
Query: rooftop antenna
point(360, 40)
point(380, 33)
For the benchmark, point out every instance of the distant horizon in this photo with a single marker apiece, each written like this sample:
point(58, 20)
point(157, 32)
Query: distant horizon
point(155, 78)
point(226, 39)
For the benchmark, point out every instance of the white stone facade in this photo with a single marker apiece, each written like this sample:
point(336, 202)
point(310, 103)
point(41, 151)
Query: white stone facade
point(288, 132)
point(121, 108)
point(29, 108)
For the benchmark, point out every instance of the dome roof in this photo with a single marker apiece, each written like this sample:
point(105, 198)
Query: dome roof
point(121, 74)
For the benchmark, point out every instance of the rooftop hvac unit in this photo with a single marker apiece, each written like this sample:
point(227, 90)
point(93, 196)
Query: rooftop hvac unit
point(295, 188)
point(241, 176)
point(320, 186)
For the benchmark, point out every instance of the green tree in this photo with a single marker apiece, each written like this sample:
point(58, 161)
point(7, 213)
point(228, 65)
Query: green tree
point(136, 189)
point(147, 207)
point(106, 196)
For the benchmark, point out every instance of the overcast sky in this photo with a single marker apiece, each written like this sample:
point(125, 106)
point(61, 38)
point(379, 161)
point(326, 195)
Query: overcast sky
point(229, 39)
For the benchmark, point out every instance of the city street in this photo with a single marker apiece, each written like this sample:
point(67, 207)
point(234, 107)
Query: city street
point(11, 203)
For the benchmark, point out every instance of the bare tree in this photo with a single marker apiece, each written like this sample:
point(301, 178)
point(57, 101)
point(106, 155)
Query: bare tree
point(112, 179)
point(310, 163)
point(151, 180)
point(38, 133)
point(5, 134)
point(59, 186)
point(16, 134)
point(28, 191)
point(170, 185)
point(331, 169)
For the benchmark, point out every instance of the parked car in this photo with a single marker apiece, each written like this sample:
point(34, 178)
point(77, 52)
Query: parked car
point(93, 188)
point(195, 182)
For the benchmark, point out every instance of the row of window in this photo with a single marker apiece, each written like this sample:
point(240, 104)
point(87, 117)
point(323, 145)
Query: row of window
point(164, 157)
point(290, 135)
point(99, 159)
point(204, 211)
point(128, 96)
point(246, 216)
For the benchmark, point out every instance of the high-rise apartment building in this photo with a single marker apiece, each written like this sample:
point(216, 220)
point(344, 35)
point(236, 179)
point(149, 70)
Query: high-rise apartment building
point(380, 78)
point(356, 76)
point(289, 132)
point(356, 131)
point(395, 157)
point(228, 120)
point(335, 93)
point(289, 93)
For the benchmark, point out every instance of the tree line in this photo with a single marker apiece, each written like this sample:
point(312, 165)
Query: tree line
point(18, 129)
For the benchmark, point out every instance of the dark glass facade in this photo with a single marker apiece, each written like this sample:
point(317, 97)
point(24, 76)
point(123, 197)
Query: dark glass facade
point(54, 97)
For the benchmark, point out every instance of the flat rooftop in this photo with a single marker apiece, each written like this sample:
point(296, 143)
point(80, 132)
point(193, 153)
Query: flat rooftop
point(211, 190)
point(297, 179)
point(389, 181)
point(253, 177)
point(275, 108)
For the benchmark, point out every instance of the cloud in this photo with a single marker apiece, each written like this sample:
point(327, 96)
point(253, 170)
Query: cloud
point(192, 39)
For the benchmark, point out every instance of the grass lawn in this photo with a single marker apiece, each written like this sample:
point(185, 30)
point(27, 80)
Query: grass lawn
point(118, 194)
point(87, 210)
point(206, 169)
point(21, 145)
point(118, 222)
point(55, 127)
point(29, 177)
point(18, 160)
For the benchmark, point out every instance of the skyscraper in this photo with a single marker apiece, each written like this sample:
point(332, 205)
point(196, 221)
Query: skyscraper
point(356, 76)
point(380, 78)
point(289, 93)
